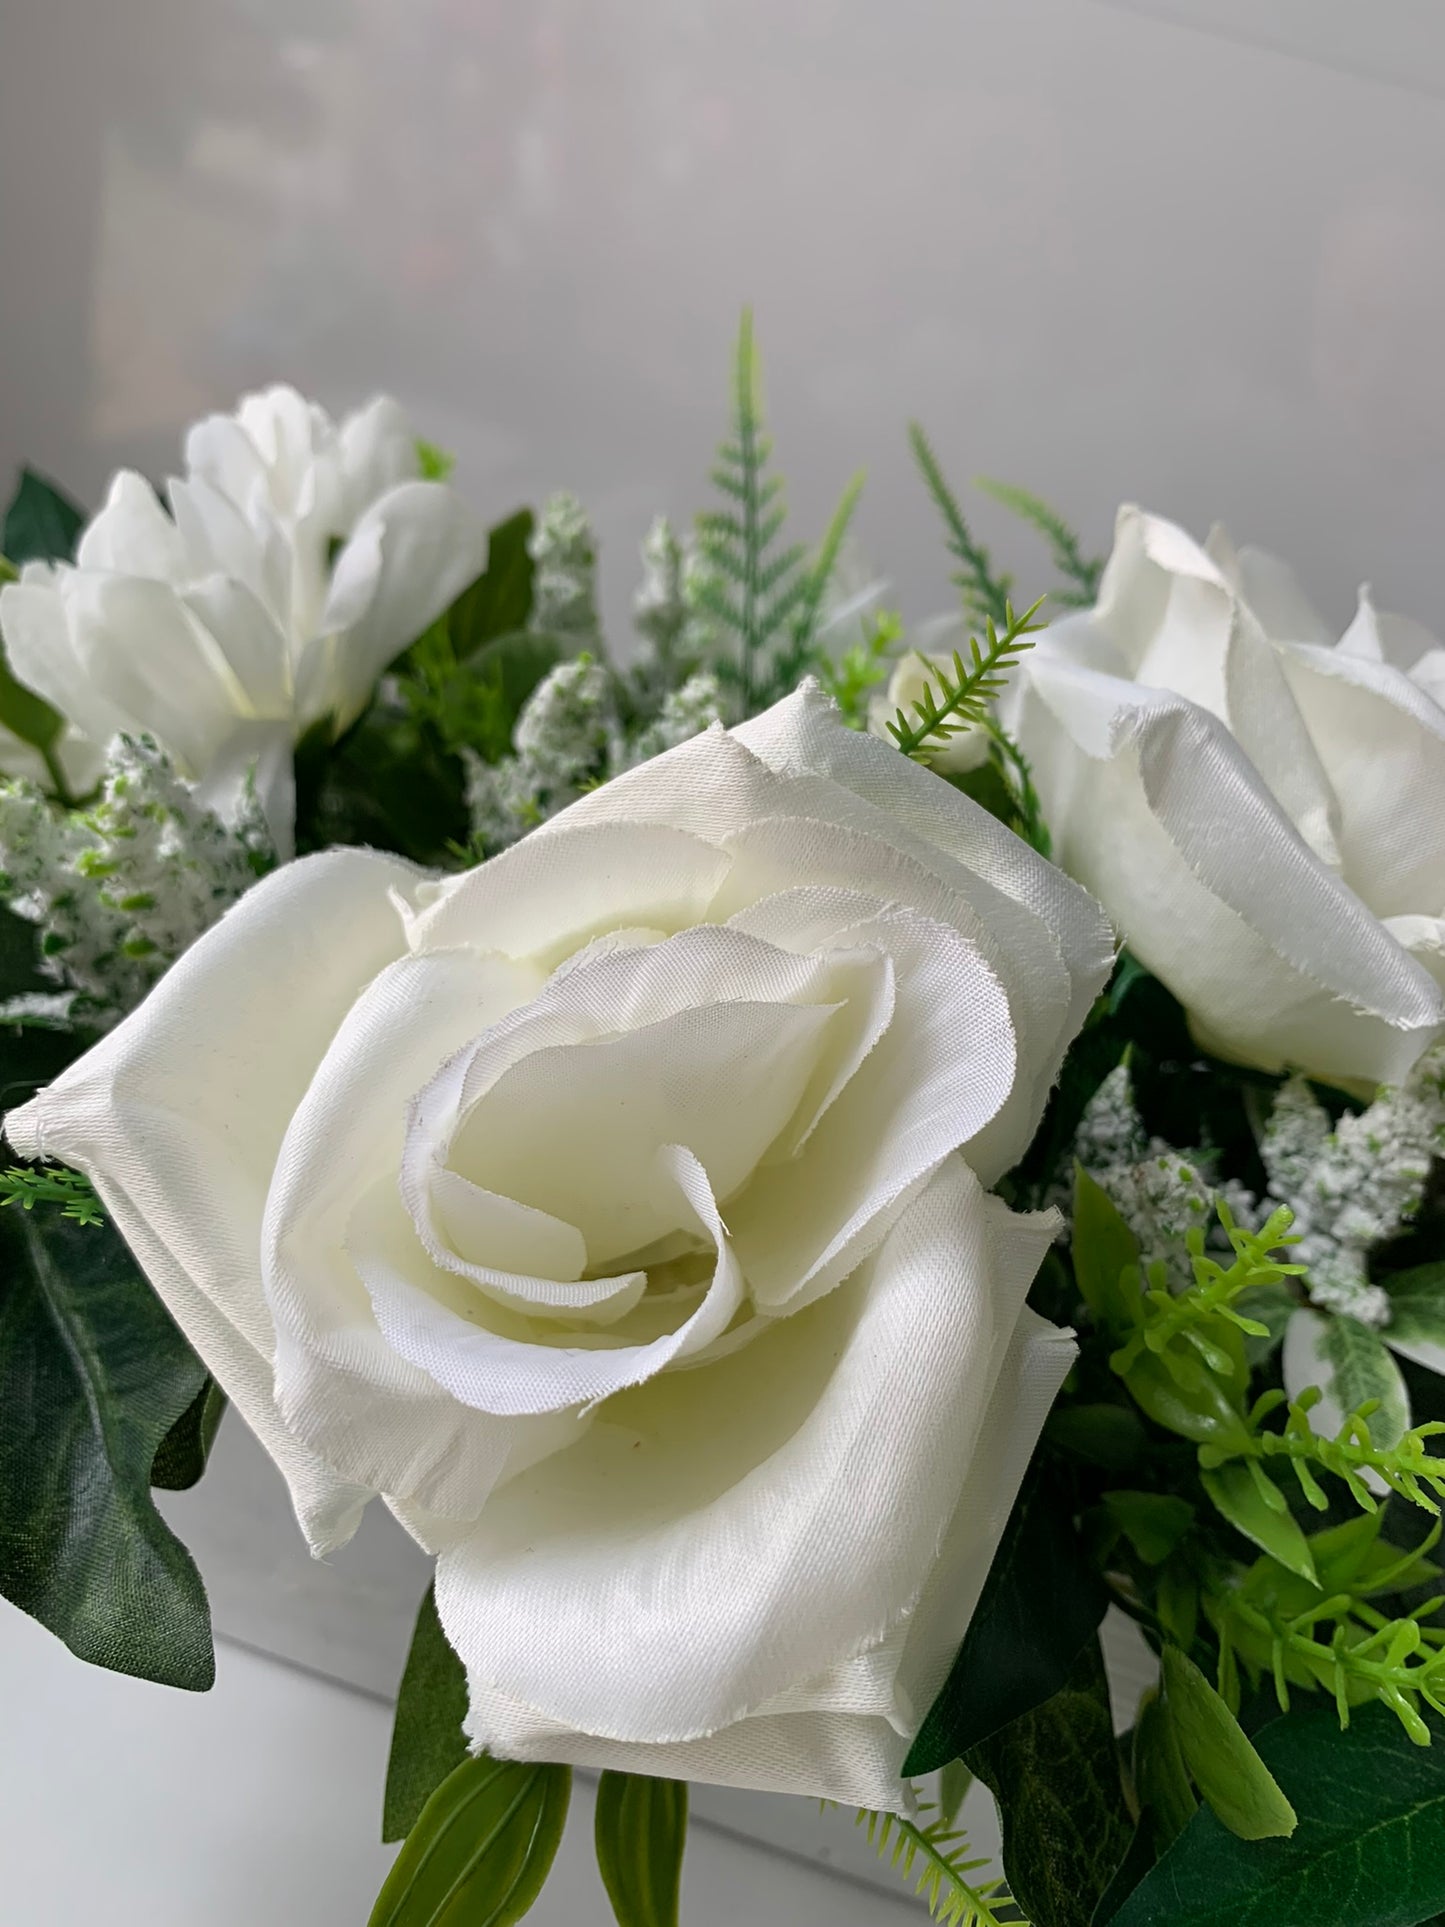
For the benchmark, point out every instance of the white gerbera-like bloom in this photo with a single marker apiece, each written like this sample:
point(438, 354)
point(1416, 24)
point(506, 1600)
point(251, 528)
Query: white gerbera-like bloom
point(298, 557)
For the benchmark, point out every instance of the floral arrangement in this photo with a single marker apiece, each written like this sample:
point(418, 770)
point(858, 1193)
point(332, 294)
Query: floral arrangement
point(803, 1163)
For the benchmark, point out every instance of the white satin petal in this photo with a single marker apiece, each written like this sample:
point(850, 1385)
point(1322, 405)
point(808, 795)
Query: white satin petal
point(778, 1548)
point(179, 1114)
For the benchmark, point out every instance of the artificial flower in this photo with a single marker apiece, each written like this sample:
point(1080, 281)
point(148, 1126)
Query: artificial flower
point(297, 559)
point(1259, 817)
point(619, 1211)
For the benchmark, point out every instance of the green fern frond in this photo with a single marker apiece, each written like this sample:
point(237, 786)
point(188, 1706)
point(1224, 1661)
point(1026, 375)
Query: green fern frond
point(985, 591)
point(933, 1860)
point(1406, 1467)
point(1082, 571)
point(28, 1186)
point(961, 699)
point(764, 596)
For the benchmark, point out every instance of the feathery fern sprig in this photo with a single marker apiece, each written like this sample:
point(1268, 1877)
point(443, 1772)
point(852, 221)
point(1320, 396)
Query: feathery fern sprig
point(764, 596)
point(1406, 1467)
point(1081, 571)
point(28, 1186)
point(1366, 1656)
point(1165, 1316)
point(960, 700)
point(985, 590)
point(938, 1852)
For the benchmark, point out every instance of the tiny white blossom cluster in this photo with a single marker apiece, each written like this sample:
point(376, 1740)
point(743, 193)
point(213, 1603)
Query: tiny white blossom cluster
point(569, 735)
point(1350, 1186)
point(1160, 1193)
point(120, 889)
point(564, 587)
point(584, 722)
point(1354, 1184)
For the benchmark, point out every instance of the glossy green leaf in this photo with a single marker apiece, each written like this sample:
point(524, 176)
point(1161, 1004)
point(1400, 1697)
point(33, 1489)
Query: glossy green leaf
point(1055, 1775)
point(183, 1452)
point(1369, 1850)
point(1160, 1775)
point(1417, 1315)
point(482, 1848)
point(427, 1742)
point(641, 1832)
point(1013, 1657)
point(1103, 1247)
point(1236, 1492)
point(1350, 1364)
point(1222, 1761)
point(93, 1375)
point(1153, 1522)
point(41, 523)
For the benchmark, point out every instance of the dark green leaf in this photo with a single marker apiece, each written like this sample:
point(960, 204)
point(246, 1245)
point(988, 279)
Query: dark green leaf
point(482, 1848)
point(641, 1832)
point(1013, 1657)
point(1103, 1248)
point(1369, 1850)
point(426, 1735)
point(1152, 1522)
point(1223, 1762)
point(1417, 1315)
point(1055, 1775)
point(183, 1452)
point(1237, 1494)
point(93, 1375)
point(1132, 1868)
point(41, 523)
point(499, 602)
point(1109, 1436)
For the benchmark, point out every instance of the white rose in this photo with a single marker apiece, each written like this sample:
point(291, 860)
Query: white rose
point(1245, 833)
point(298, 558)
point(603, 1209)
point(1372, 703)
point(915, 671)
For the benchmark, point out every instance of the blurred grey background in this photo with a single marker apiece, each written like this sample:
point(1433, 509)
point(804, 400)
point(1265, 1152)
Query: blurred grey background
point(1189, 251)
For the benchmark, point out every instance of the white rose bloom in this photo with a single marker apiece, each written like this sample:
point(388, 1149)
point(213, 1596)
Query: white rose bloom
point(617, 1211)
point(298, 558)
point(1260, 815)
point(933, 651)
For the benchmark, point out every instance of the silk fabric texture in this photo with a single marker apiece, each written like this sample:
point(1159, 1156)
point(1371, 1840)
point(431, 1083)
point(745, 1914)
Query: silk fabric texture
point(618, 1211)
point(1261, 810)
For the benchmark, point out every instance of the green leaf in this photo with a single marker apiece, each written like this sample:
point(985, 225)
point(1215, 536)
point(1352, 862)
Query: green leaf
point(1350, 1364)
point(641, 1832)
point(1237, 1491)
point(1160, 1774)
point(1417, 1315)
point(1109, 1436)
point(93, 1375)
point(25, 714)
point(182, 1454)
point(1369, 1850)
point(1152, 1522)
point(1014, 1658)
point(482, 1848)
point(426, 1735)
point(1225, 1766)
point(1103, 1248)
point(1055, 1775)
point(41, 523)
point(1272, 1306)
point(499, 602)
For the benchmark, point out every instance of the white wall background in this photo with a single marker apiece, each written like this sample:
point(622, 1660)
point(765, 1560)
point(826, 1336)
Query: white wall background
point(1191, 251)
